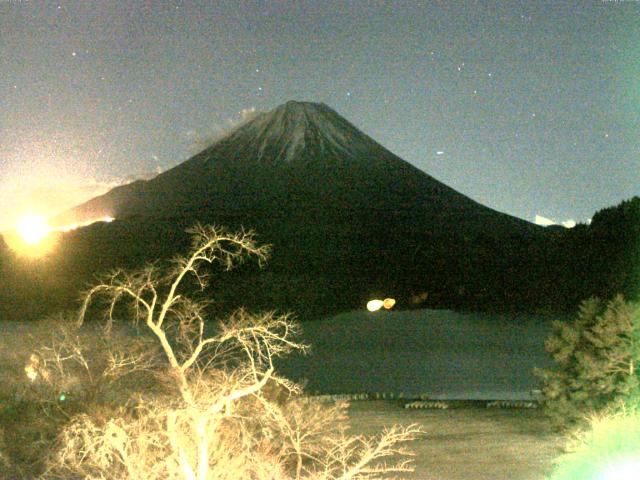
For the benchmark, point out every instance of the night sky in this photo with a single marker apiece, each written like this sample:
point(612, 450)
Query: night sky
point(527, 107)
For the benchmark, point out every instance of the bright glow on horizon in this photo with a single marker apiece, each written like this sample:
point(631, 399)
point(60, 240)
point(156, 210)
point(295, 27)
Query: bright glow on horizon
point(33, 229)
point(34, 237)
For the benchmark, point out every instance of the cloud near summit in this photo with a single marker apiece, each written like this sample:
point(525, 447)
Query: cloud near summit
point(198, 141)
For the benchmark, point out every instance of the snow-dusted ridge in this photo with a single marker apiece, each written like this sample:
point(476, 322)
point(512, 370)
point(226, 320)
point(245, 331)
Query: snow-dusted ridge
point(306, 157)
point(296, 126)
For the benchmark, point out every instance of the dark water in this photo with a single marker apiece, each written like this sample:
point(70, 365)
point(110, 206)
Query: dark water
point(440, 353)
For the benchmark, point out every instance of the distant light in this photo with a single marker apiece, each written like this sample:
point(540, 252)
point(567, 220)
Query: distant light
point(388, 303)
point(439, 152)
point(626, 470)
point(374, 305)
point(74, 226)
point(419, 298)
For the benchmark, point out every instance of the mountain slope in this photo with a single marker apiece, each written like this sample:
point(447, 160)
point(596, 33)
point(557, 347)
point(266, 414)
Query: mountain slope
point(299, 156)
point(347, 218)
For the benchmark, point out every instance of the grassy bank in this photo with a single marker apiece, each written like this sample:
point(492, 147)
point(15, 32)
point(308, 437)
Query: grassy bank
point(468, 443)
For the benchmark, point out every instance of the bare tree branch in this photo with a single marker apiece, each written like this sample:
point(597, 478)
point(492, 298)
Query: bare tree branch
point(218, 419)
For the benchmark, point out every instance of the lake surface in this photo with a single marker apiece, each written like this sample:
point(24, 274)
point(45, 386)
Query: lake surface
point(438, 353)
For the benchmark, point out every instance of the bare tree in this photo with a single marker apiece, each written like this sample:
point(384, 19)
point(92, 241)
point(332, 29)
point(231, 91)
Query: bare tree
point(86, 367)
point(225, 413)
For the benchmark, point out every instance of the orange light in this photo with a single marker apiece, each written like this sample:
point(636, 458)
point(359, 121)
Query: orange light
point(388, 303)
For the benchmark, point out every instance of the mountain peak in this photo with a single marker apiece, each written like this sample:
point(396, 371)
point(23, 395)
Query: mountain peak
point(302, 105)
point(298, 109)
point(282, 134)
point(301, 114)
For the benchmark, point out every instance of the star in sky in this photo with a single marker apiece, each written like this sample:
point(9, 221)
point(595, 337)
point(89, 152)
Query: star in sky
point(497, 86)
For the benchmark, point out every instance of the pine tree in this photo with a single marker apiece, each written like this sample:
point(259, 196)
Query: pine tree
point(596, 361)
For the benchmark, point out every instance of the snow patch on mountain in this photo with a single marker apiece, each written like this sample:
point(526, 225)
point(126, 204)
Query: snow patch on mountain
point(296, 126)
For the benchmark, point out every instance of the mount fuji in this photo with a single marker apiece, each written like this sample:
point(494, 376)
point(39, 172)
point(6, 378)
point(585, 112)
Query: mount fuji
point(348, 221)
point(301, 158)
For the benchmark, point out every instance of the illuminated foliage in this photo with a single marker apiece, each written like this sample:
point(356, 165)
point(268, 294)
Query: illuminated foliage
point(609, 449)
point(223, 412)
point(597, 361)
point(87, 368)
